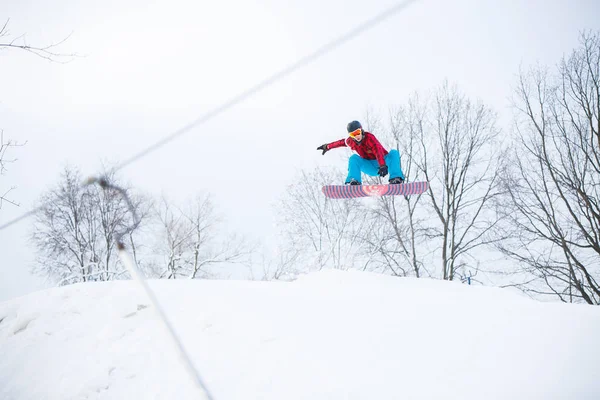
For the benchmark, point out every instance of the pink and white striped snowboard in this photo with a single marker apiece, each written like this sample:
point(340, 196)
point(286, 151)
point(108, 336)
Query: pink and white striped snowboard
point(354, 191)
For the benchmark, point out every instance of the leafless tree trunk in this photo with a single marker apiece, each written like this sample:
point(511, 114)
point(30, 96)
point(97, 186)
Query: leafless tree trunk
point(554, 186)
point(139, 250)
point(460, 158)
point(174, 235)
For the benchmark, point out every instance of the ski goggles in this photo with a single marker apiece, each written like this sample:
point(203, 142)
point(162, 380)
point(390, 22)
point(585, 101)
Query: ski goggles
point(355, 133)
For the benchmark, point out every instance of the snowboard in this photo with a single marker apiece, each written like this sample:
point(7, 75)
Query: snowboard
point(355, 191)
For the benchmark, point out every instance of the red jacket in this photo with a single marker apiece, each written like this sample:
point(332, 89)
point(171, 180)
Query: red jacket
point(369, 147)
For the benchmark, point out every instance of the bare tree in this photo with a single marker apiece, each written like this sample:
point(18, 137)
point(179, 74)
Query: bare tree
point(205, 252)
point(460, 156)
point(452, 143)
point(60, 233)
point(554, 186)
point(330, 233)
point(74, 233)
point(189, 241)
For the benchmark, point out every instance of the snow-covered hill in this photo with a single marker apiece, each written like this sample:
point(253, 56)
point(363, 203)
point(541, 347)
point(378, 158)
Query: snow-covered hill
point(327, 335)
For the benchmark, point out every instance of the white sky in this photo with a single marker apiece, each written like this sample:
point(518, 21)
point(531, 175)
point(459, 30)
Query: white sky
point(151, 67)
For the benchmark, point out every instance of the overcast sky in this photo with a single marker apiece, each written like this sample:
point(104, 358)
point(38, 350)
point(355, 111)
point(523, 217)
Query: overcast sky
point(149, 68)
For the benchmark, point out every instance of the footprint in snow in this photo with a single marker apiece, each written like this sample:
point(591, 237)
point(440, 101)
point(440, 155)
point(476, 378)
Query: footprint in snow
point(139, 308)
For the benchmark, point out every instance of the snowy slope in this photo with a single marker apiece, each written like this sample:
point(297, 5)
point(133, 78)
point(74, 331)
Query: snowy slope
point(328, 335)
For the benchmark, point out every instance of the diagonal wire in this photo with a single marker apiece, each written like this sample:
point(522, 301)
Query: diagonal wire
point(320, 52)
point(141, 280)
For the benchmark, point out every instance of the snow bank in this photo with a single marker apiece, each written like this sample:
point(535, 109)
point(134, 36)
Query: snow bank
point(328, 335)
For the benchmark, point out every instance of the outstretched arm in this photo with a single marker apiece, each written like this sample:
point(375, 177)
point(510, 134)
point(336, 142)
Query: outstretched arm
point(326, 147)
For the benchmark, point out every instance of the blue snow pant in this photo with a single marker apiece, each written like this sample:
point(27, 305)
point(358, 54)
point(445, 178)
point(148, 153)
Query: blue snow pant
point(357, 164)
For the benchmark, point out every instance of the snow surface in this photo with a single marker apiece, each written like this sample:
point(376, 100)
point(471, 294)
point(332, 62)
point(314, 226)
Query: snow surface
point(327, 335)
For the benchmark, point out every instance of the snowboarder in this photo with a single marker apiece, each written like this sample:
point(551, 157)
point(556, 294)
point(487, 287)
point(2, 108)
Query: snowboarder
point(372, 158)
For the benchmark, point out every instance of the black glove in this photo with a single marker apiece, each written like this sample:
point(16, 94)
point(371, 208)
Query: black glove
point(324, 148)
point(382, 170)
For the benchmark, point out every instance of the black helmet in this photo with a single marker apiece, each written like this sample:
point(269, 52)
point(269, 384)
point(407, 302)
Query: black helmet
point(354, 125)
